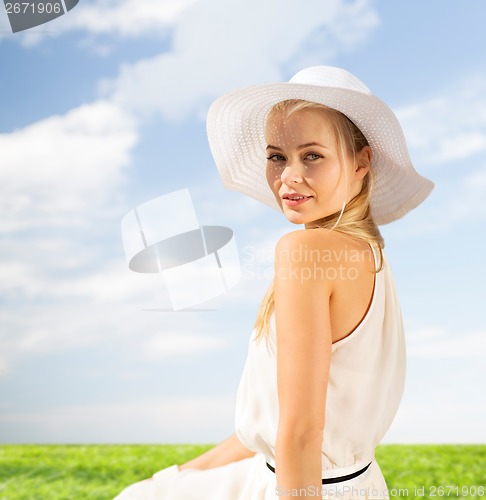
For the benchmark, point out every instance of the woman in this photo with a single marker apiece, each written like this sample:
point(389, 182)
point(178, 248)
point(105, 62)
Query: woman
point(325, 370)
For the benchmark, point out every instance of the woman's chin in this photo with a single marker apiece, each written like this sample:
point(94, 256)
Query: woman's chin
point(299, 218)
point(296, 218)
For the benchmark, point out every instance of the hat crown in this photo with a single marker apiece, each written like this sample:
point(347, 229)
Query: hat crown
point(329, 76)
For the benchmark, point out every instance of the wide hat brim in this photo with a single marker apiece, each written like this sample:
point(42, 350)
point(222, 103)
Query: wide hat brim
point(236, 122)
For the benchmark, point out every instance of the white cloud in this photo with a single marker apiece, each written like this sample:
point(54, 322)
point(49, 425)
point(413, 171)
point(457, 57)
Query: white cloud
point(63, 168)
point(124, 18)
point(218, 46)
point(449, 127)
point(452, 203)
point(445, 421)
point(180, 343)
point(436, 343)
point(445, 373)
point(75, 300)
point(351, 22)
point(131, 18)
point(448, 131)
point(112, 283)
point(69, 323)
point(166, 419)
point(468, 201)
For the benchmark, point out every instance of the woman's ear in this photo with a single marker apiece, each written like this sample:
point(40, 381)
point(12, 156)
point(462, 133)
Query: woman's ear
point(363, 162)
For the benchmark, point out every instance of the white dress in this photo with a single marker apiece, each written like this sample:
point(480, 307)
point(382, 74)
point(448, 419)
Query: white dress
point(366, 383)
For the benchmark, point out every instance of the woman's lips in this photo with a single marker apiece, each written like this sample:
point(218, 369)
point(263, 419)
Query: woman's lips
point(292, 202)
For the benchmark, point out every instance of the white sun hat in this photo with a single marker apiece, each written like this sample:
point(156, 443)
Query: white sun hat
point(236, 124)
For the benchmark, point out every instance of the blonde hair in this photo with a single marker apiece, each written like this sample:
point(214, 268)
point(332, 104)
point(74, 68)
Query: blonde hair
point(355, 219)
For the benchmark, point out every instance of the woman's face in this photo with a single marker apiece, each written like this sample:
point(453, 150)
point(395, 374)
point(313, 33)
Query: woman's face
point(303, 167)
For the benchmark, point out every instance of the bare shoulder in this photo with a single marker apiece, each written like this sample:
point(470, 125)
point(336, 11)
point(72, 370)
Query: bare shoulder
point(316, 245)
point(321, 238)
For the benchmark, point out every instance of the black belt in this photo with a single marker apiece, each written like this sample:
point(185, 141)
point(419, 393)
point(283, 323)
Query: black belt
point(332, 480)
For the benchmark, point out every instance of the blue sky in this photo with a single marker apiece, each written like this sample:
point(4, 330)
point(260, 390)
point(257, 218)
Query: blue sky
point(103, 109)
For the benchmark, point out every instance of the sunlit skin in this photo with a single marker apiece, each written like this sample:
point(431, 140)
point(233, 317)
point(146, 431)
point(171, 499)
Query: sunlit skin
point(302, 157)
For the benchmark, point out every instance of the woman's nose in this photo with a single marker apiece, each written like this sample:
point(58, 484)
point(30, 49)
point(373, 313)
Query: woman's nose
point(291, 173)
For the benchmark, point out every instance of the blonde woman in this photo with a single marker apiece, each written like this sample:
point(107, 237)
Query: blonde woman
point(326, 363)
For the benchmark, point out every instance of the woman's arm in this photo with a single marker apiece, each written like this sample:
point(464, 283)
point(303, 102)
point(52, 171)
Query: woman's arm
point(229, 450)
point(304, 340)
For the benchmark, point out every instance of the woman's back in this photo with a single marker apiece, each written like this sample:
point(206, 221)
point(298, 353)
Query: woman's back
point(349, 263)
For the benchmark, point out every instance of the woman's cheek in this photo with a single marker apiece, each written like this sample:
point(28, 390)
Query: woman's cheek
point(273, 179)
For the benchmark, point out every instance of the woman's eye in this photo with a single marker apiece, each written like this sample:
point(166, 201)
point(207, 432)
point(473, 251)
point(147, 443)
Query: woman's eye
point(313, 156)
point(276, 157)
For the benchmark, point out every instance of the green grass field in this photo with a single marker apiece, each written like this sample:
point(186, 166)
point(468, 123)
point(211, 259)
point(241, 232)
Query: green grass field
point(51, 472)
